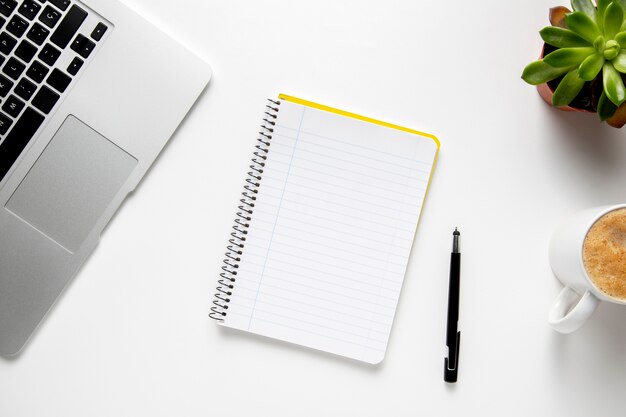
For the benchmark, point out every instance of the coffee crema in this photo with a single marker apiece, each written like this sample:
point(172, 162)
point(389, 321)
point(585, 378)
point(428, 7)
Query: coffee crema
point(604, 254)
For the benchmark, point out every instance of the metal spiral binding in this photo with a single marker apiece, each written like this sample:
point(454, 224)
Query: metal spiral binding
point(228, 277)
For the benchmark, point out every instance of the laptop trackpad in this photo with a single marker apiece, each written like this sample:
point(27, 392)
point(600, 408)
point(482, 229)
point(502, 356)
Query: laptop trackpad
point(71, 184)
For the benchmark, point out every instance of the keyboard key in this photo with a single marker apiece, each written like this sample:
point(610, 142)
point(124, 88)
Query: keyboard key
point(38, 34)
point(2, 21)
point(18, 138)
point(69, 26)
point(5, 85)
point(7, 43)
point(17, 26)
point(37, 72)
point(99, 31)
point(45, 99)
point(5, 124)
point(83, 46)
point(49, 54)
point(50, 17)
point(25, 89)
point(26, 51)
point(14, 68)
point(59, 81)
point(75, 66)
point(29, 9)
point(61, 4)
point(7, 7)
point(13, 106)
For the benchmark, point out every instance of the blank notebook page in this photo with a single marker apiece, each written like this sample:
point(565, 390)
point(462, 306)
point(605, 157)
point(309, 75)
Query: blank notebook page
point(331, 231)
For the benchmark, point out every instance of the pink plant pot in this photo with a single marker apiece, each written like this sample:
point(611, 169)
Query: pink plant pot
point(546, 94)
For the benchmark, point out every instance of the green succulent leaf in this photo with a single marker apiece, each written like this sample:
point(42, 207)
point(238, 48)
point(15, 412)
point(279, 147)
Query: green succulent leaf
point(583, 25)
point(568, 57)
point(561, 38)
point(620, 62)
point(591, 67)
point(623, 4)
point(602, 6)
point(621, 39)
point(585, 6)
point(599, 44)
point(613, 84)
point(539, 72)
point(611, 50)
point(613, 19)
point(606, 108)
point(568, 89)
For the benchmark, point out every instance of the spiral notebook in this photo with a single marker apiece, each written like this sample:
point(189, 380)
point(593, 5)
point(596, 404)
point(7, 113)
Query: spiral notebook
point(322, 237)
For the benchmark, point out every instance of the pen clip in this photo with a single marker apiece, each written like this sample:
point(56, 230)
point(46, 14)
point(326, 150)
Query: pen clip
point(451, 363)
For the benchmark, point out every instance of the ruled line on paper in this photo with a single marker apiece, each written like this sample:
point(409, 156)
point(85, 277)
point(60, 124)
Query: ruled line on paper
point(300, 270)
point(342, 259)
point(314, 250)
point(303, 141)
point(323, 326)
point(324, 232)
point(317, 163)
point(277, 214)
point(372, 314)
point(357, 145)
point(358, 289)
point(336, 193)
point(319, 173)
point(330, 310)
point(334, 203)
point(319, 334)
point(347, 161)
point(339, 249)
point(313, 315)
point(325, 272)
point(332, 212)
point(331, 232)
point(353, 307)
point(345, 187)
point(382, 193)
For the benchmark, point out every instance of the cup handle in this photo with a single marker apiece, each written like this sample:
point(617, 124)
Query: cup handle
point(570, 311)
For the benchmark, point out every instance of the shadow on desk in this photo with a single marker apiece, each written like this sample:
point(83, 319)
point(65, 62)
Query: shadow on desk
point(584, 134)
point(595, 351)
point(588, 156)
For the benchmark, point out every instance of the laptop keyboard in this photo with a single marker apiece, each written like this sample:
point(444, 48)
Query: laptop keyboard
point(44, 45)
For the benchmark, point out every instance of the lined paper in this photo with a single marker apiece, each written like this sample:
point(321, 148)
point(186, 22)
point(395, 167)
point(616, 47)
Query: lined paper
point(331, 233)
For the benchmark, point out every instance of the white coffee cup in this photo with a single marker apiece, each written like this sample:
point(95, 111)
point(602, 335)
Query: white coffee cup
point(580, 296)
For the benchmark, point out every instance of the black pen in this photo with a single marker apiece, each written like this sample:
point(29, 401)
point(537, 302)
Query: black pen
point(453, 336)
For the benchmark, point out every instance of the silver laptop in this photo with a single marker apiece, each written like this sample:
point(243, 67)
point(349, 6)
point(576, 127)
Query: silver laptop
point(90, 93)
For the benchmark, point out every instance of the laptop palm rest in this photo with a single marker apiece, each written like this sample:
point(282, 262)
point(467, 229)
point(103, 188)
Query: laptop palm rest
point(70, 186)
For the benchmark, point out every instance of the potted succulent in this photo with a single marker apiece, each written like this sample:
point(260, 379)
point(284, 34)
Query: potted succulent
point(583, 61)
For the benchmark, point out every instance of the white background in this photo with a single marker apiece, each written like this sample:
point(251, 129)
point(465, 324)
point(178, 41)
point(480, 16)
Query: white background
point(131, 336)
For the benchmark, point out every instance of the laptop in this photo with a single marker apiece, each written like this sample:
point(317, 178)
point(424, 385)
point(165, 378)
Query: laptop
point(90, 94)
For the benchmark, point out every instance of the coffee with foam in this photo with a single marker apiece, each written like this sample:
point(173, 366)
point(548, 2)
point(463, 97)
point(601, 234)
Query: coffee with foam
point(604, 254)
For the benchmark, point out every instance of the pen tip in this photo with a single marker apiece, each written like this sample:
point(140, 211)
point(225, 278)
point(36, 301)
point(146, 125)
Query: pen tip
point(456, 232)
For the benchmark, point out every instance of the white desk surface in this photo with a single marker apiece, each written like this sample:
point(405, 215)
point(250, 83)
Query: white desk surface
point(131, 336)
